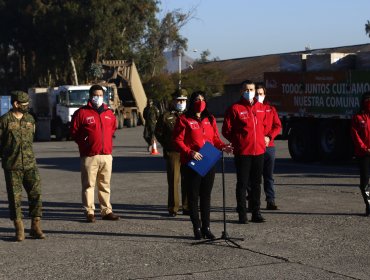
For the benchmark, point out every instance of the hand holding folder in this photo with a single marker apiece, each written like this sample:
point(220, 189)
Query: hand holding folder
point(210, 156)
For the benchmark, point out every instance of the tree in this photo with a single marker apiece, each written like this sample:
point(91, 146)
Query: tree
point(367, 28)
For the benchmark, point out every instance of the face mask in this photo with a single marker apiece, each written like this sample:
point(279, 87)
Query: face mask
point(181, 106)
point(97, 101)
point(23, 108)
point(199, 106)
point(249, 95)
point(260, 98)
point(367, 106)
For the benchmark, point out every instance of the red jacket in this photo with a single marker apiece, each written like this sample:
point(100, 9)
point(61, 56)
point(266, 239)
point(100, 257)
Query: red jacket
point(273, 123)
point(93, 132)
point(190, 134)
point(360, 129)
point(245, 127)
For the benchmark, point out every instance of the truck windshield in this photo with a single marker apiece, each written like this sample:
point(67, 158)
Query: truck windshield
point(80, 97)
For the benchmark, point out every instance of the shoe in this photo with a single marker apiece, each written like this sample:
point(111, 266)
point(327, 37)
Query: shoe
point(197, 234)
point(90, 218)
point(36, 231)
point(186, 212)
point(257, 218)
point(207, 234)
point(243, 218)
point(172, 214)
point(367, 210)
point(271, 205)
point(110, 217)
point(19, 230)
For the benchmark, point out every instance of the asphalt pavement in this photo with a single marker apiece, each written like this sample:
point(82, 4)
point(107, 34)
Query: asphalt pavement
point(320, 231)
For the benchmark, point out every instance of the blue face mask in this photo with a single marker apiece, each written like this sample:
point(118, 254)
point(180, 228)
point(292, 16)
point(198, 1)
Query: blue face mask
point(249, 95)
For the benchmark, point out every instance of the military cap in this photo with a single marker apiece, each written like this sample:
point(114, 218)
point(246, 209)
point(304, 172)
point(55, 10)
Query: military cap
point(180, 94)
point(20, 96)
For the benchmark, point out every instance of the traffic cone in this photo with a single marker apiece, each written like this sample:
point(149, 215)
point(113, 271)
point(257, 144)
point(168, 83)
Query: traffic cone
point(154, 148)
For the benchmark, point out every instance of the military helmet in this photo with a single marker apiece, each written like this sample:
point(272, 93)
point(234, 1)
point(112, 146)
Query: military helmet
point(20, 96)
point(180, 94)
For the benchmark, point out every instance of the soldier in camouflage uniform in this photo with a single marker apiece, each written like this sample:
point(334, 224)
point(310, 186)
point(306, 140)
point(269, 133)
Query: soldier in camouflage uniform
point(17, 128)
point(150, 114)
point(163, 133)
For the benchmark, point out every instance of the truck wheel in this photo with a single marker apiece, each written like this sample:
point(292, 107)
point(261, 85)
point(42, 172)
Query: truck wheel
point(334, 140)
point(129, 122)
point(59, 132)
point(120, 121)
point(134, 119)
point(302, 143)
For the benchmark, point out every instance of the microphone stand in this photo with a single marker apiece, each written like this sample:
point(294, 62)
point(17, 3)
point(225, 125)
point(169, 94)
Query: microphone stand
point(225, 236)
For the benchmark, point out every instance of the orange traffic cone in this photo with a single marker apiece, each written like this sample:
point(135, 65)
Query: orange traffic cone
point(154, 148)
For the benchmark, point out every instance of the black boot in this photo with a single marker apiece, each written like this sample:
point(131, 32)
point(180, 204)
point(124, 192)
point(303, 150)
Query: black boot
point(197, 234)
point(257, 217)
point(366, 197)
point(207, 234)
point(243, 218)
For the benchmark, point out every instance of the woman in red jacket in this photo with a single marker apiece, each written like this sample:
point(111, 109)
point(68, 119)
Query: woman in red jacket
point(191, 131)
point(361, 139)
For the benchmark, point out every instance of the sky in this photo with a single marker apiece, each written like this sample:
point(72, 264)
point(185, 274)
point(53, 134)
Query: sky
point(244, 28)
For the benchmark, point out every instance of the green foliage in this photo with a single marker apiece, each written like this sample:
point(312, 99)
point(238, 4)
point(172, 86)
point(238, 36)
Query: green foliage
point(367, 28)
point(42, 39)
point(160, 87)
point(207, 79)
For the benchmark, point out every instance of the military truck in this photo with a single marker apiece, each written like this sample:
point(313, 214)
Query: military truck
point(128, 98)
point(316, 105)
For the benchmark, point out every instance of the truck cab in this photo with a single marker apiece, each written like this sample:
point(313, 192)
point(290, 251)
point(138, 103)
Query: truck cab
point(67, 99)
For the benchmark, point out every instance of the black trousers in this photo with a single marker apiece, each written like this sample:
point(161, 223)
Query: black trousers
point(199, 188)
point(248, 175)
point(364, 164)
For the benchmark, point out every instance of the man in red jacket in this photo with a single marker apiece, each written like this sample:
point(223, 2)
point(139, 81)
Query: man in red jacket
point(244, 126)
point(273, 127)
point(92, 129)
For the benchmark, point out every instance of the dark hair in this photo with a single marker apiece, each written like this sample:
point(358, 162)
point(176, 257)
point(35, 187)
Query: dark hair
point(262, 86)
point(246, 82)
point(94, 88)
point(365, 95)
point(191, 113)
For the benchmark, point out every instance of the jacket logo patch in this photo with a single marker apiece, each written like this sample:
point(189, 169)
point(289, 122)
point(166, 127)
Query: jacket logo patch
point(90, 120)
point(260, 111)
point(194, 125)
point(107, 117)
point(243, 115)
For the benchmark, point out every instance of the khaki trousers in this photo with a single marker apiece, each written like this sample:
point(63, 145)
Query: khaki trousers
point(173, 178)
point(96, 171)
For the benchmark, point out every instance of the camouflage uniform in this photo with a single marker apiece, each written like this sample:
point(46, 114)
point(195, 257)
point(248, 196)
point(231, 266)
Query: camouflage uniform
point(18, 161)
point(163, 133)
point(150, 114)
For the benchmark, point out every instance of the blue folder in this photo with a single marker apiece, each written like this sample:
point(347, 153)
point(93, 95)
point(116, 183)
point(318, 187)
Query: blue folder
point(210, 157)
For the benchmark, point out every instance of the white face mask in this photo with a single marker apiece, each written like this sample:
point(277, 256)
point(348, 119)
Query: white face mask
point(261, 98)
point(97, 101)
point(249, 95)
point(181, 106)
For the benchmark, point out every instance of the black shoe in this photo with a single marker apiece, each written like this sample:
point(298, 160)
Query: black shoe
point(271, 205)
point(186, 212)
point(197, 234)
point(367, 210)
point(243, 219)
point(257, 218)
point(207, 234)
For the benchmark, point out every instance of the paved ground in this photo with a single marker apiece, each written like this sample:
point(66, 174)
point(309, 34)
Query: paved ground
point(319, 233)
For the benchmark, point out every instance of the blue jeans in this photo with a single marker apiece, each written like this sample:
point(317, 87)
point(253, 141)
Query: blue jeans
point(268, 171)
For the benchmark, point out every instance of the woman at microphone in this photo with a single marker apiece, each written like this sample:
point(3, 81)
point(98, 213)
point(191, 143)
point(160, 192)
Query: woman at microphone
point(192, 130)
